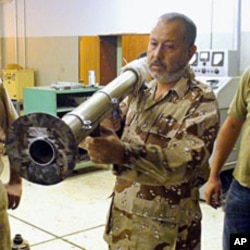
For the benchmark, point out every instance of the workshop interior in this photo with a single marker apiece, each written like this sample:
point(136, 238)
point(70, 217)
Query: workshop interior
point(60, 62)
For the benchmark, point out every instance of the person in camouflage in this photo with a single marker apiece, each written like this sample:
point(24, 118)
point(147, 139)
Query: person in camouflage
point(161, 160)
point(10, 193)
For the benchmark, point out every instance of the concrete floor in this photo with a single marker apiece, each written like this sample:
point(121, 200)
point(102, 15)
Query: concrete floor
point(71, 214)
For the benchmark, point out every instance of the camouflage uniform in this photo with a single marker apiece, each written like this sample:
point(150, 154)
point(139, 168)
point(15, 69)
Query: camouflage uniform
point(168, 142)
point(7, 116)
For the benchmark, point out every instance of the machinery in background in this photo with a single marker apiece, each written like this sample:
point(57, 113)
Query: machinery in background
point(215, 63)
point(219, 69)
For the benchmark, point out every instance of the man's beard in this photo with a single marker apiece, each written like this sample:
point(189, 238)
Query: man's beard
point(168, 77)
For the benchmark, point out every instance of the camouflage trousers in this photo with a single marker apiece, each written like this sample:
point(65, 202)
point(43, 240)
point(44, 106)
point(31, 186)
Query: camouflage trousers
point(137, 232)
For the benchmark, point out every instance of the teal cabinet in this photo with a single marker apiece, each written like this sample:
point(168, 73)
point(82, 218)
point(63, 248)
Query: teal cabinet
point(59, 102)
point(54, 101)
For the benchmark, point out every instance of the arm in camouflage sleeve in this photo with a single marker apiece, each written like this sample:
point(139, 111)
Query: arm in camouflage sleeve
point(187, 150)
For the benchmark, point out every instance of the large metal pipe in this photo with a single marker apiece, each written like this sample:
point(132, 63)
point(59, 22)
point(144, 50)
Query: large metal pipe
point(43, 148)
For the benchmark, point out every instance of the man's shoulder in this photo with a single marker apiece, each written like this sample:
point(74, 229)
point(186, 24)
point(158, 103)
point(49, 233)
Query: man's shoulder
point(204, 87)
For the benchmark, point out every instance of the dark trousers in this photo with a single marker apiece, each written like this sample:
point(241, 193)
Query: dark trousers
point(237, 212)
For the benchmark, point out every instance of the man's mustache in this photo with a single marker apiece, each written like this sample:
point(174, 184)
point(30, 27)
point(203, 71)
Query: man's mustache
point(157, 62)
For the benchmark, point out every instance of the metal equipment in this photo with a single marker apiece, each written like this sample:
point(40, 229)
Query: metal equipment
point(43, 148)
point(219, 69)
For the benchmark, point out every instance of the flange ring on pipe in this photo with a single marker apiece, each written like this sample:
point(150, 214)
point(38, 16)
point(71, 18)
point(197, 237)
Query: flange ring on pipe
point(45, 152)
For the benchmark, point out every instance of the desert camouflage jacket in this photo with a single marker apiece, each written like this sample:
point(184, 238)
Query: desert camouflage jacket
point(168, 143)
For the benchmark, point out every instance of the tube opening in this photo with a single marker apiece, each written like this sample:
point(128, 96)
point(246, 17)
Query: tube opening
point(42, 152)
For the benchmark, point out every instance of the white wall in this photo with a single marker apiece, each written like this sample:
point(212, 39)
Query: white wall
point(245, 20)
point(90, 17)
point(43, 18)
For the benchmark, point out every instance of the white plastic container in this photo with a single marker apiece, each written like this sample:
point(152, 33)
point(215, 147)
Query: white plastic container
point(91, 78)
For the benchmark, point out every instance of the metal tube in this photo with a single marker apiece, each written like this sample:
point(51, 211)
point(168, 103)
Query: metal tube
point(43, 148)
point(93, 110)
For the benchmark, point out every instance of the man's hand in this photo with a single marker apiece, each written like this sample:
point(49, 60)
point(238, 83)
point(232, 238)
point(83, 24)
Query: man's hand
point(14, 189)
point(14, 192)
point(213, 191)
point(105, 149)
point(112, 122)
